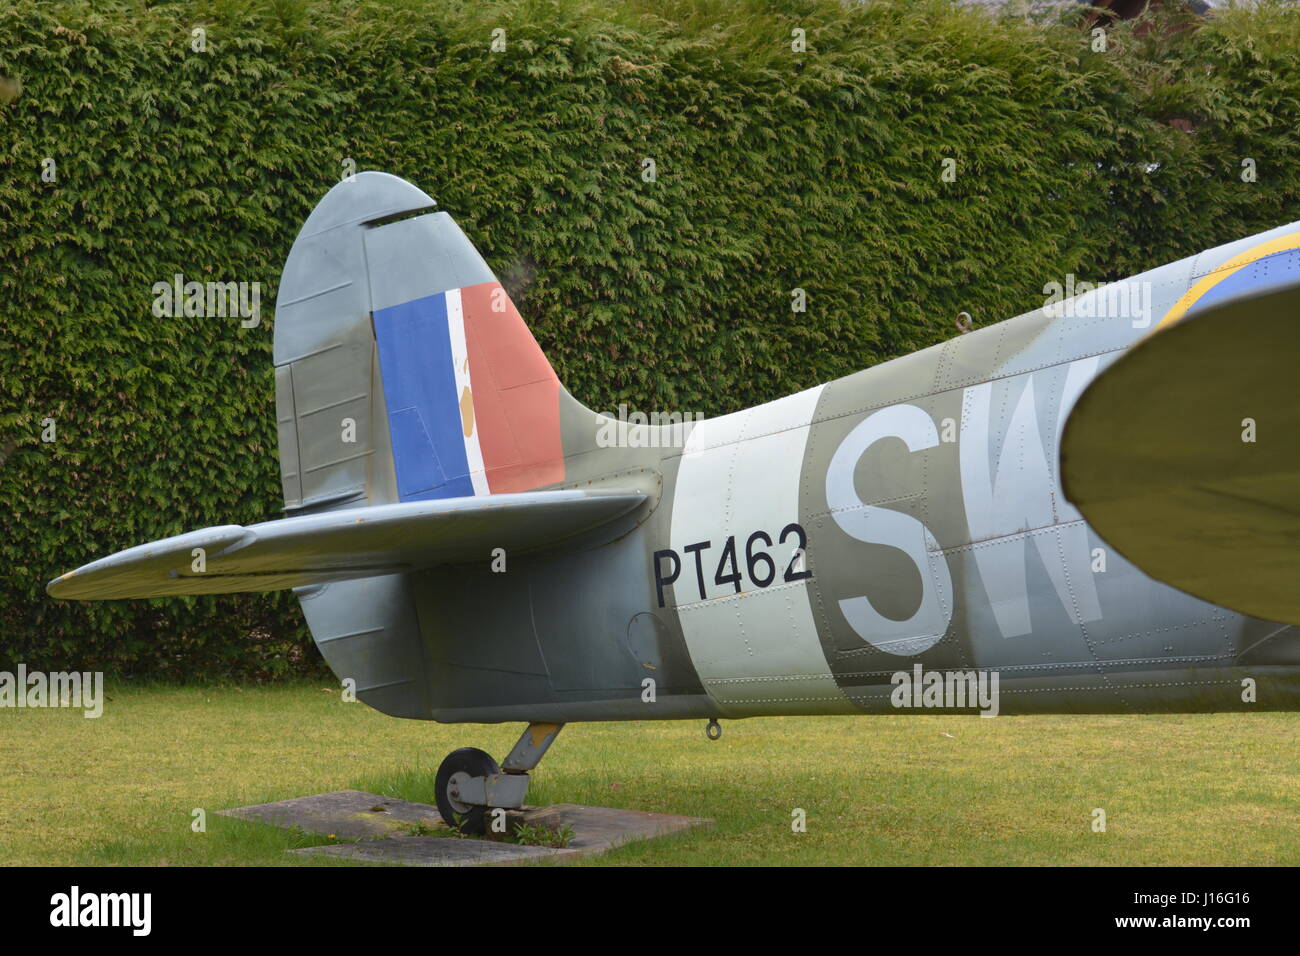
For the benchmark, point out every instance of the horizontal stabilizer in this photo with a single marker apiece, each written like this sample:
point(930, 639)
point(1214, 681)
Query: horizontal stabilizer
point(351, 543)
point(1185, 455)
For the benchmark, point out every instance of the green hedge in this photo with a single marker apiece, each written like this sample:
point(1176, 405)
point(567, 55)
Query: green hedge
point(775, 170)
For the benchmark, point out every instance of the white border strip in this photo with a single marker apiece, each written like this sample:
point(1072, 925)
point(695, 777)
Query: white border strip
point(460, 365)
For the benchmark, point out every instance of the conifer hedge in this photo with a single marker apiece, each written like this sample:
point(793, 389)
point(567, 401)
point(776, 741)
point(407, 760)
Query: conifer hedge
point(775, 170)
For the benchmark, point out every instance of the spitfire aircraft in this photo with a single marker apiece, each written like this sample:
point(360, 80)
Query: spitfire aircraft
point(1094, 504)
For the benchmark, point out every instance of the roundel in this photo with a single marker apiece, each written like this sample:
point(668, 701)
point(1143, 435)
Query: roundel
point(1262, 267)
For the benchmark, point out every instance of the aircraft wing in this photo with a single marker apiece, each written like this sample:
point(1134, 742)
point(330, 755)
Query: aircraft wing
point(1158, 454)
point(351, 543)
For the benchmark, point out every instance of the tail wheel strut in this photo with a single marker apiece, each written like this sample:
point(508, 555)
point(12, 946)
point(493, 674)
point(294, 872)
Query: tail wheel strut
point(470, 784)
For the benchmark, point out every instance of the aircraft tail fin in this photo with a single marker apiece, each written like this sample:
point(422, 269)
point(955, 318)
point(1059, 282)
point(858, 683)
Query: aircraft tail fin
point(403, 370)
point(417, 418)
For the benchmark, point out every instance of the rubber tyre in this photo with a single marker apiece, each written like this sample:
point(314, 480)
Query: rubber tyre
point(474, 762)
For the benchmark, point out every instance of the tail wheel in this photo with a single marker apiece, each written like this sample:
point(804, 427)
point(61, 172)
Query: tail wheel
point(461, 765)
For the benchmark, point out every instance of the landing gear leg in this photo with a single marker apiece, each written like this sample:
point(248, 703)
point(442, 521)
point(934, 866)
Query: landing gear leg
point(470, 784)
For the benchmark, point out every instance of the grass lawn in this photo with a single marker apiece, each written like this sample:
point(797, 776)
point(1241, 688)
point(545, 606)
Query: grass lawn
point(1197, 790)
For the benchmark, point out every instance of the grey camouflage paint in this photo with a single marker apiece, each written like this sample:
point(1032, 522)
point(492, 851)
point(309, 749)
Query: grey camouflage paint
point(572, 636)
point(908, 514)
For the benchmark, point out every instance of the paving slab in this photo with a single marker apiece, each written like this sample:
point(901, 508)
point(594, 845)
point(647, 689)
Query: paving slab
point(346, 814)
point(396, 832)
point(597, 829)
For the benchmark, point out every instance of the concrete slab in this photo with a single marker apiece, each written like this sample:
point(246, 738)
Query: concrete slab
point(597, 829)
point(397, 832)
point(345, 814)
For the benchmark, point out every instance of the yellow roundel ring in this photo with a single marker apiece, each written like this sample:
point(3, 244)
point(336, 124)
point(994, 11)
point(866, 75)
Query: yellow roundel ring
point(1217, 285)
